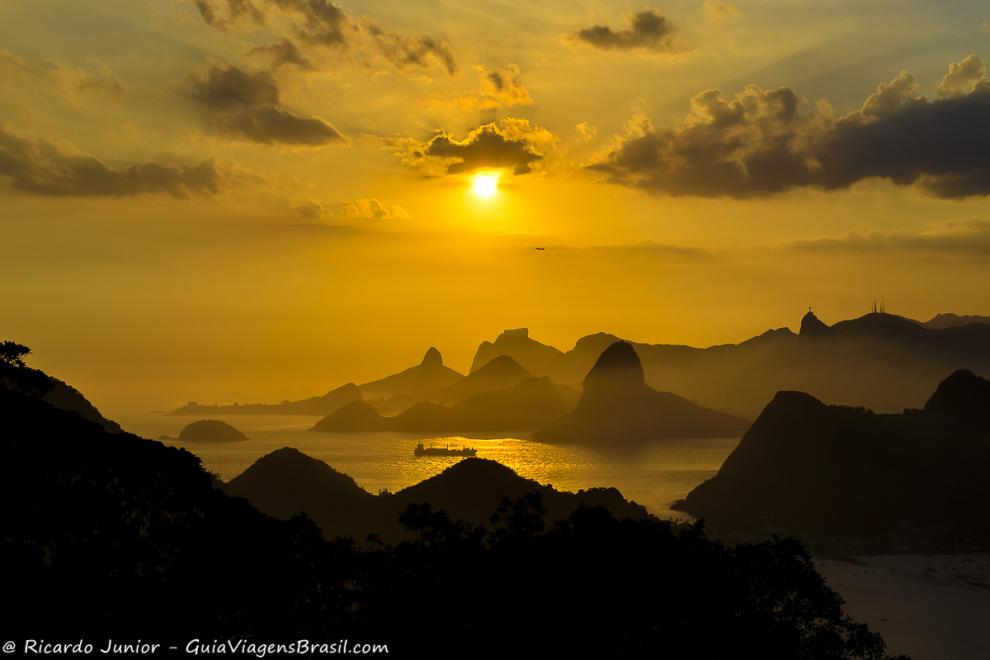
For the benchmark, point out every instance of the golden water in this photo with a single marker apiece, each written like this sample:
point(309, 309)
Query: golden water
point(655, 477)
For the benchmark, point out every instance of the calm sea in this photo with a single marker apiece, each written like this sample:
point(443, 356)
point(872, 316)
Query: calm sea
point(654, 477)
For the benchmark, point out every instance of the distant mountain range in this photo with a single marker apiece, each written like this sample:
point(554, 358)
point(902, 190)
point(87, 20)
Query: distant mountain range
point(524, 406)
point(108, 535)
point(287, 482)
point(316, 405)
point(850, 478)
point(617, 408)
point(428, 376)
point(884, 361)
point(880, 360)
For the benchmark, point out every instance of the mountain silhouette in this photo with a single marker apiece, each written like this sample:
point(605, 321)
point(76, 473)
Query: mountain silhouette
point(18, 377)
point(851, 478)
point(316, 405)
point(964, 399)
point(428, 376)
point(942, 321)
point(500, 373)
point(527, 406)
point(533, 356)
point(108, 535)
point(880, 360)
point(618, 409)
point(812, 325)
point(210, 431)
point(287, 482)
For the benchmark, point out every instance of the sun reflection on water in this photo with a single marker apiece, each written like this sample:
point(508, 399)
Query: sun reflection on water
point(654, 477)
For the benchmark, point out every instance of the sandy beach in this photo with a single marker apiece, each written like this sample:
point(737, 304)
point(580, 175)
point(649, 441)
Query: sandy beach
point(928, 607)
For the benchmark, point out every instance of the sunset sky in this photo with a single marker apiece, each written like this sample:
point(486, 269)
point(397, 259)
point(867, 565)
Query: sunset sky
point(257, 200)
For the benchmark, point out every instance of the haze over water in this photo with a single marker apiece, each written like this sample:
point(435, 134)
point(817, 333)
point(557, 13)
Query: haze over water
point(654, 477)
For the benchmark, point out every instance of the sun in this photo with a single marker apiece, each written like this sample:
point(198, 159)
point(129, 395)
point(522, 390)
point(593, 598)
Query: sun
point(485, 184)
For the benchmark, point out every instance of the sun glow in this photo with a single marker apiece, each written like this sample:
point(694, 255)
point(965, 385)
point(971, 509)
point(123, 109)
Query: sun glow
point(485, 184)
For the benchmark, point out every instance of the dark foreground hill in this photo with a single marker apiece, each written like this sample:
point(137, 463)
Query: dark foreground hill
point(109, 535)
point(618, 409)
point(526, 406)
point(849, 478)
point(287, 482)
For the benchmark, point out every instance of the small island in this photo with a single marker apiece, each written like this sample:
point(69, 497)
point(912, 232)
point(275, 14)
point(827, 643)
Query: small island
point(210, 431)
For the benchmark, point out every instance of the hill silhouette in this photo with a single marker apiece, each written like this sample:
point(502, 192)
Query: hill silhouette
point(287, 482)
point(941, 321)
point(533, 356)
point(110, 535)
point(16, 376)
point(502, 372)
point(210, 431)
point(428, 376)
point(850, 478)
point(316, 405)
point(883, 361)
point(526, 406)
point(618, 409)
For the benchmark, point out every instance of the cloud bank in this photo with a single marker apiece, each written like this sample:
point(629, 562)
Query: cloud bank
point(41, 167)
point(245, 105)
point(323, 24)
point(757, 143)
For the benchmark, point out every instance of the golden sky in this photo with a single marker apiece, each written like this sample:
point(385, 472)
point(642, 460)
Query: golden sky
point(262, 199)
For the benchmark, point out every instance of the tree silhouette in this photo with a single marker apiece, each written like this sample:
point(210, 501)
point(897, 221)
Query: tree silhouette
point(12, 354)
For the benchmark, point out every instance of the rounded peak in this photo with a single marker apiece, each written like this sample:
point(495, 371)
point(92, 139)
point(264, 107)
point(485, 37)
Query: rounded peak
point(211, 430)
point(618, 365)
point(811, 324)
point(963, 395)
point(502, 364)
point(432, 358)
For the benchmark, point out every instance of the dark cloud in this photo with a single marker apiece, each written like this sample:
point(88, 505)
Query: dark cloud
point(235, 9)
point(282, 53)
point(511, 143)
point(758, 143)
point(40, 167)
point(971, 237)
point(325, 24)
point(647, 30)
point(246, 105)
point(321, 21)
point(403, 51)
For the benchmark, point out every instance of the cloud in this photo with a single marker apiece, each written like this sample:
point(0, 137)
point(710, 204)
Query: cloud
point(586, 131)
point(970, 237)
point(757, 143)
point(358, 210)
point(647, 30)
point(964, 78)
point(322, 23)
point(97, 82)
point(245, 105)
point(283, 53)
point(41, 167)
point(510, 143)
point(500, 87)
point(404, 51)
